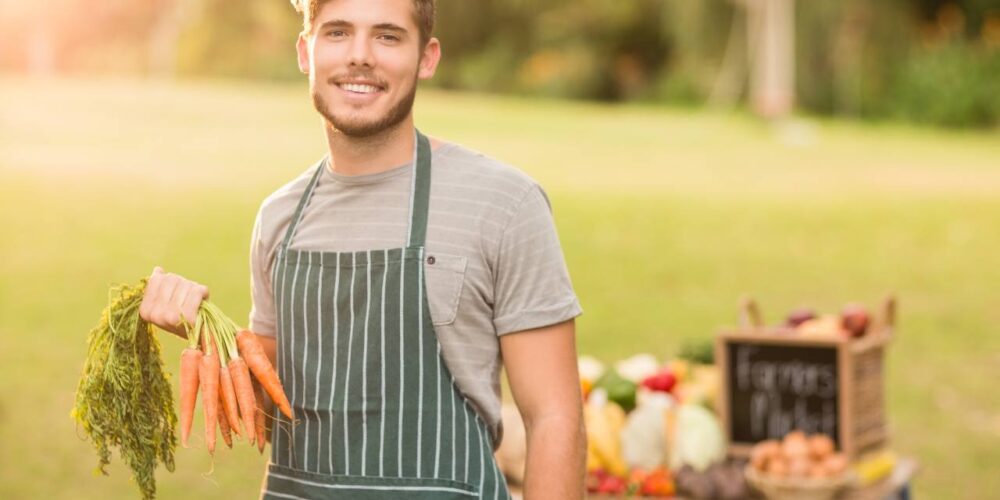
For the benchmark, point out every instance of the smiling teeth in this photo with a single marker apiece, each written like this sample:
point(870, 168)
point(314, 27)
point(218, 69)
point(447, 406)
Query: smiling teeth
point(354, 87)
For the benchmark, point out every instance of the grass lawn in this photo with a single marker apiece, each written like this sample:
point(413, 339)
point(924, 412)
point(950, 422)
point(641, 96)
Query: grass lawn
point(666, 217)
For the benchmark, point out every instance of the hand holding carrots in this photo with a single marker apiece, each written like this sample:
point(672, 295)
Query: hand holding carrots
point(124, 400)
point(168, 298)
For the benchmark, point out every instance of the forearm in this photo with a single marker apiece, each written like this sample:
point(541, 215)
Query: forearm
point(556, 459)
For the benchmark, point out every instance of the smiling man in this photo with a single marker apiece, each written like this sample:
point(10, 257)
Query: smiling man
point(393, 279)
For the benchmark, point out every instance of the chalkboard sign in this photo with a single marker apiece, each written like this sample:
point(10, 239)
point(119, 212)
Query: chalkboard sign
point(775, 389)
point(775, 380)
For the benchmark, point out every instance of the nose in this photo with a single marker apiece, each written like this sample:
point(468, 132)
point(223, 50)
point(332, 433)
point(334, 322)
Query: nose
point(361, 53)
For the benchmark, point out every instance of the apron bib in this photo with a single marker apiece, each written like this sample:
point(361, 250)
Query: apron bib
point(379, 413)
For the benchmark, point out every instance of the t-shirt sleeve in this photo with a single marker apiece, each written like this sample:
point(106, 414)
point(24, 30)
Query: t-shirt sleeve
point(533, 287)
point(262, 312)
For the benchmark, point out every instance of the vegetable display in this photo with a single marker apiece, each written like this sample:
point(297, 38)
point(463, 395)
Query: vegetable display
point(124, 399)
point(646, 420)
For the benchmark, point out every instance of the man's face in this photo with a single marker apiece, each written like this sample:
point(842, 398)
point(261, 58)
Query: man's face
point(364, 58)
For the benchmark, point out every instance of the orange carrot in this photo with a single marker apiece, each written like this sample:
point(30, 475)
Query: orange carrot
point(260, 421)
point(240, 375)
point(256, 359)
point(209, 376)
point(224, 426)
point(229, 403)
point(190, 363)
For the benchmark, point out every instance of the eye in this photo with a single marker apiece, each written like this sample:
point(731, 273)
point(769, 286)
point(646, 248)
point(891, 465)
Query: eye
point(389, 38)
point(336, 33)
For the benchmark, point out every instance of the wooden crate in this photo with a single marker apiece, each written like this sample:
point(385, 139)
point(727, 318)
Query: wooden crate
point(761, 370)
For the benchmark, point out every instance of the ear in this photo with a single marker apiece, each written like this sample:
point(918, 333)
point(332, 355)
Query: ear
point(302, 49)
point(429, 59)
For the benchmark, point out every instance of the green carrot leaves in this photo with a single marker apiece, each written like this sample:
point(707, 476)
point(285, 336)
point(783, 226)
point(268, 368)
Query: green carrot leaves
point(124, 399)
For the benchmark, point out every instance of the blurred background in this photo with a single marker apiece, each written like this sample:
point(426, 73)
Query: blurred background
point(806, 153)
point(931, 61)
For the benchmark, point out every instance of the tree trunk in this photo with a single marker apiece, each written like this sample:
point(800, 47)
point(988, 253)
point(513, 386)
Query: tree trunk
point(772, 41)
point(174, 17)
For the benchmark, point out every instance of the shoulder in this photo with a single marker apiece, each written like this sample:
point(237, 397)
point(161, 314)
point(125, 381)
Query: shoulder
point(278, 207)
point(463, 171)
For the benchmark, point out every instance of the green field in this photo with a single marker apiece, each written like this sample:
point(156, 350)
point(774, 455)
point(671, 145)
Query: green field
point(666, 218)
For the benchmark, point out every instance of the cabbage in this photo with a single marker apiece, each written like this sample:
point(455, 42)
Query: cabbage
point(695, 437)
point(644, 443)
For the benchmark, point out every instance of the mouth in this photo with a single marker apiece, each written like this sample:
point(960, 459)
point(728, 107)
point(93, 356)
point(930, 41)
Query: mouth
point(361, 87)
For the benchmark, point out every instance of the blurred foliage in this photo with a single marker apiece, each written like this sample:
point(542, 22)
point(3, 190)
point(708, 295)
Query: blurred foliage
point(931, 61)
point(950, 85)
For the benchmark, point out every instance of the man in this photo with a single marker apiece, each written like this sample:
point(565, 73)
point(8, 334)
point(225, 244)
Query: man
point(388, 292)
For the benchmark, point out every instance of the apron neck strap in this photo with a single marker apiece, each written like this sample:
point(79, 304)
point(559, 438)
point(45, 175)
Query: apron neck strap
point(420, 193)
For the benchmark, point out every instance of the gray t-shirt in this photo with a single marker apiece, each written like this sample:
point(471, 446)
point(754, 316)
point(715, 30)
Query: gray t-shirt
point(498, 264)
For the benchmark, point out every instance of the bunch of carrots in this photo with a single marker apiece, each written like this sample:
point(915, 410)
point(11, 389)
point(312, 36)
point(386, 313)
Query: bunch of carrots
point(124, 400)
point(218, 363)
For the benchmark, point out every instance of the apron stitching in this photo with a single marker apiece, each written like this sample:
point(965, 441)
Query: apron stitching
point(466, 414)
point(319, 365)
point(336, 351)
point(381, 439)
point(305, 362)
point(437, 440)
point(291, 352)
point(364, 372)
point(482, 459)
point(283, 495)
point(372, 487)
point(402, 366)
point(420, 356)
point(347, 374)
point(453, 426)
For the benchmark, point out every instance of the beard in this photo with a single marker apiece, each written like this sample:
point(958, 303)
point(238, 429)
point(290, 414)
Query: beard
point(360, 128)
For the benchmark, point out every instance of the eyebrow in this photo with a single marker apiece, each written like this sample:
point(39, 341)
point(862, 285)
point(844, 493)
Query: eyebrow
point(340, 23)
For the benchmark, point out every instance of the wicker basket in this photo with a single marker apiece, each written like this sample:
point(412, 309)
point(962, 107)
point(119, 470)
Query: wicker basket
point(793, 488)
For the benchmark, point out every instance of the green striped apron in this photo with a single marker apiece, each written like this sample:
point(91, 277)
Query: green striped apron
point(378, 413)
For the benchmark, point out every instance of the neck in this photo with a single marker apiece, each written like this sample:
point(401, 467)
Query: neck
point(373, 154)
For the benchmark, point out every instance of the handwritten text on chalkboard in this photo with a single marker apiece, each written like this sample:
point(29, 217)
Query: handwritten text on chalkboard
point(777, 388)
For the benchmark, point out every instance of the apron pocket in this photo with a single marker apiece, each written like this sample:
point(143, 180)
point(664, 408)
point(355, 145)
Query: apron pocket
point(445, 278)
point(287, 483)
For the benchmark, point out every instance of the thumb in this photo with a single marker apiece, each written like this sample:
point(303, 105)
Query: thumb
point(157, 270)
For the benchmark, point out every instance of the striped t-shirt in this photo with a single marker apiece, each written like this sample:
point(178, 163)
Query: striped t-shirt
point(498, 266)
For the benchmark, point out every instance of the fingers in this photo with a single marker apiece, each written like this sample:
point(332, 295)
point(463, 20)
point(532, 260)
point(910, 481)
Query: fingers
point(170, 297)
point(151, 295)
point(190, 303)
point(163, 307)
point(179, 299)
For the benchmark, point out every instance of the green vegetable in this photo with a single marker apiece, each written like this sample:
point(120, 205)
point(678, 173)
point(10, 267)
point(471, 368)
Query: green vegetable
point(620, 390)
point(123, 399)
point(699, 351)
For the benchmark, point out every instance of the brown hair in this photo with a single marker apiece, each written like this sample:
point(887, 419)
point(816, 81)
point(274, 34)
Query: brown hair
point(423, 14)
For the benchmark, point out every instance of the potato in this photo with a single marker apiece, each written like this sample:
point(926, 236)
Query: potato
point(835, 464)
point(795, 445)
point(820, 446)
point(818, 470)
point(762, 452)
point(777, 467)
point(799, 467)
